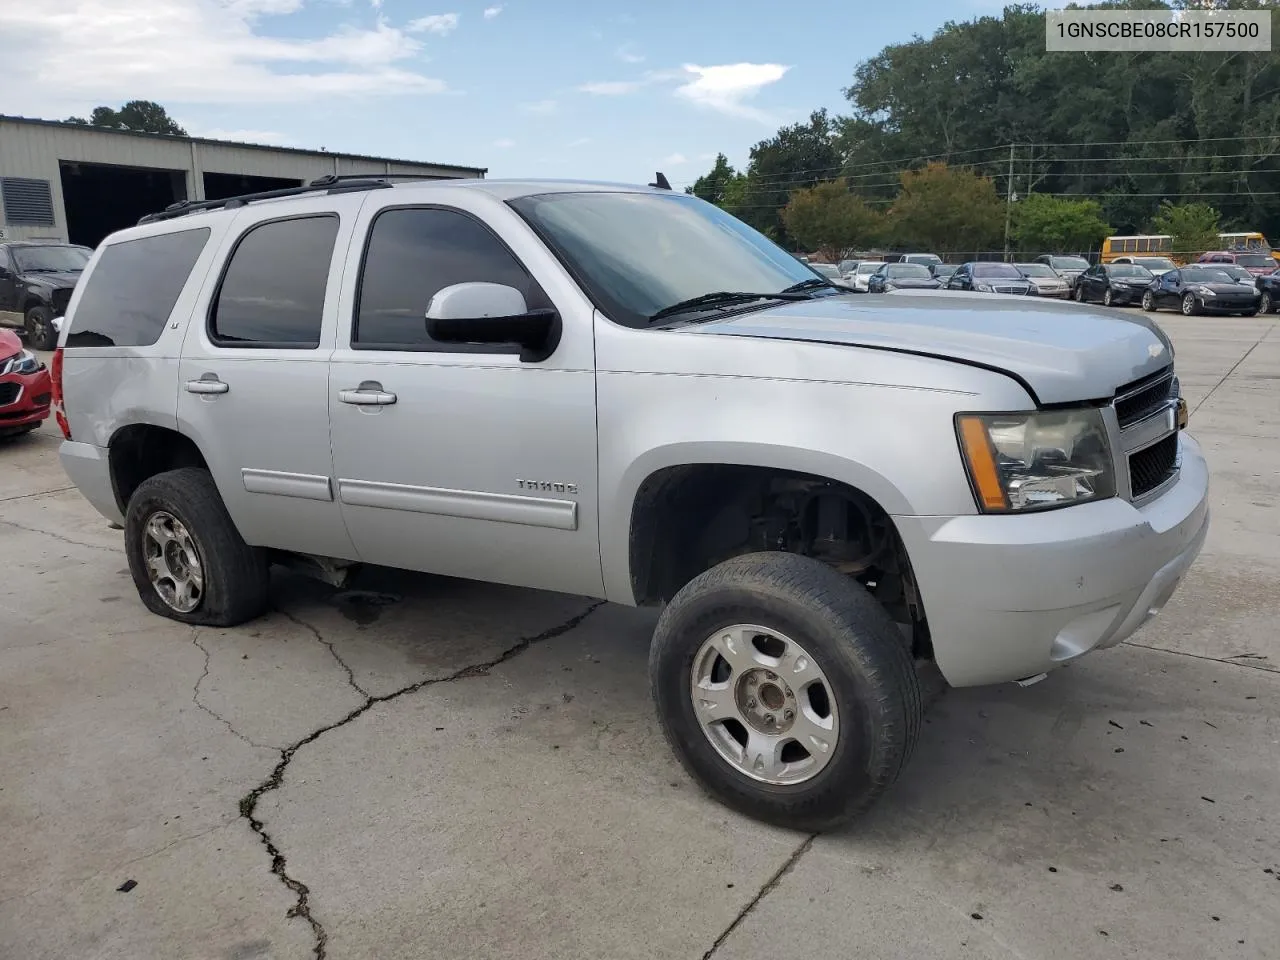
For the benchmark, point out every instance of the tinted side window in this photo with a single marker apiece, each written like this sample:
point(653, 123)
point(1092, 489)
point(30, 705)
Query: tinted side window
point(414, 253)
point(131, 292)
point(272, 294)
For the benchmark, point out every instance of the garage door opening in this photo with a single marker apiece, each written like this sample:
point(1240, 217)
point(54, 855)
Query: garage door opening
point(219, 186)
point(101, 199)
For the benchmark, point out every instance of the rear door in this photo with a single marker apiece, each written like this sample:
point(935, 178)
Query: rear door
point(253, 383)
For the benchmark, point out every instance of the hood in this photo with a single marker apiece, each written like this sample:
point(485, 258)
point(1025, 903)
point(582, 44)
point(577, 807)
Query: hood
point(1218, 287)
point(56, 281)
point(9, 344)
point(1061, 352)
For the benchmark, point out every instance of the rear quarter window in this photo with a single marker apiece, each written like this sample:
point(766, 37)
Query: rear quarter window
point(129, 295)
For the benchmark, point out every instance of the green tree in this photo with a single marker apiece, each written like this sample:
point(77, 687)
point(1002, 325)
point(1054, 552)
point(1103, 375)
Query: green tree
point(144, 116)
point(799, 155)
point(1192, 226)
point(945, 210)
point(711, 186)
point(1057, 224)
point(831, 220)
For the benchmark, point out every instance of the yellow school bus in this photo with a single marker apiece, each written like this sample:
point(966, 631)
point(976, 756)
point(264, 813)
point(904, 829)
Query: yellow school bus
point(1150, 245)
point(1247, 241)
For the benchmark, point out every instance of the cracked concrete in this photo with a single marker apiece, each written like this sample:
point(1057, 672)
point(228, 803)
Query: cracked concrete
point(420, 764)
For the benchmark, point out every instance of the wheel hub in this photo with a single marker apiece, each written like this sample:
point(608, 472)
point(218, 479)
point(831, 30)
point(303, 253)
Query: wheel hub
point(766, 702)
point(172, 561)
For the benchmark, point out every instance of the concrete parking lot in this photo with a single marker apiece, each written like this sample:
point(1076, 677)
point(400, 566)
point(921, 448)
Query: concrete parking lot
point(427, 767)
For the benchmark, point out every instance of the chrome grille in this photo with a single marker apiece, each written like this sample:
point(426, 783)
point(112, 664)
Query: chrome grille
point(1153, 465)
point(1146, 412)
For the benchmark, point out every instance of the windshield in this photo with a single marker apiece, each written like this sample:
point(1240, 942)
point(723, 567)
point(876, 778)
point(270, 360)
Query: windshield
point(925, 258)
point(944, 269)
point(1253, 260)
point(1237, 273)
point(1154, 263)
point(996, 270)
point(1036, 270)
point(916, 271)
point(869, 267)
point(1206, 275)
point(1130, 270)
point(638, 253)
point(1069, 263)
point(847, 266)
point(51, 259)
point(826, 269)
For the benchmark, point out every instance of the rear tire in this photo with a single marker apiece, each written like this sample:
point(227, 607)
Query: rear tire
point(233, 576)
point(868, 688)
point(40, 331)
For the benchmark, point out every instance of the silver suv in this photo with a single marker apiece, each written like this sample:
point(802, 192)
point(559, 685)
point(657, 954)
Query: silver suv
point(626, 393)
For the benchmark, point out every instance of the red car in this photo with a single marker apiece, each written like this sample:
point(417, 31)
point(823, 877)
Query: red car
point(1257, 264)
point(25, 387)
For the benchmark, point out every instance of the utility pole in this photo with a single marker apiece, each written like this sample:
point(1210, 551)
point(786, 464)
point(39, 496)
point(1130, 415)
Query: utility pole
point(1008, 204)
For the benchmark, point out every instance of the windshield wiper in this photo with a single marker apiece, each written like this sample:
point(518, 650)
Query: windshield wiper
point(723, 298)
point(813, 283)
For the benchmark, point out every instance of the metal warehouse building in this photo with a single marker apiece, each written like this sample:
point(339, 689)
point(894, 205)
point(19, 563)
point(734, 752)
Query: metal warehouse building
point(79, 183)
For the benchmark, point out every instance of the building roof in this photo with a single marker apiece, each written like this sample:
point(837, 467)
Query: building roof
point(89, 128)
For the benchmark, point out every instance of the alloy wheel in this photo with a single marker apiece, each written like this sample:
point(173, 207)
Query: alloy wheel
point(173, 562)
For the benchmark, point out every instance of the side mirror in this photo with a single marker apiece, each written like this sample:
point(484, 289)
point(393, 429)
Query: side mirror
point(492, 313)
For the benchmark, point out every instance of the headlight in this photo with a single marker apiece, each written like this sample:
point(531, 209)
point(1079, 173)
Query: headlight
point(1205, 292)
point(983, 287)
point(24, 362)
point(1031, 461)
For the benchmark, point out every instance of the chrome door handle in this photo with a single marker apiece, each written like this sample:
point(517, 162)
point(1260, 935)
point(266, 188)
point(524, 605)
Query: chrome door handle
point(209, 383)
point(368, 394)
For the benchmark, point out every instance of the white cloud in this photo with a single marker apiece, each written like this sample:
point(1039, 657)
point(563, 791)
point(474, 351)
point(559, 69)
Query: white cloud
point(62, 54)
point(441, 24)
point(611, 88)
point(491, 12)
point(726, 87)
point(627, 55)
point(540, 107)
point(675, 160)
point(580, 142)
point(270, 137)
point(504, 144)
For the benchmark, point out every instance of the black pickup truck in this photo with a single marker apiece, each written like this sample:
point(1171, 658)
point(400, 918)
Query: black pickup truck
point(36, 280)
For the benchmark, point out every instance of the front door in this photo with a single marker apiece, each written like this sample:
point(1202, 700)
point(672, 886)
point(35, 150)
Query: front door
point(254, 376)
point(461, 459)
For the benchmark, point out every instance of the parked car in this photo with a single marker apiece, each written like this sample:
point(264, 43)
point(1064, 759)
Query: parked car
point(36, 281)
point(1114, 284)
point(943, 271)
point(1198, 288)
point(859, 278)
point(1045, 282)
point(928, 259)
point(1239, 274)
point(1157, 265)
point(1067, 267)
point(661, 408)
point(1269, 291)
point(25, 387)
point(911, 276)
point(1257, 264)
point(989, 277)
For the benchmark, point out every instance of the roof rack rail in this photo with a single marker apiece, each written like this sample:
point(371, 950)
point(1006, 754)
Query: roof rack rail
point(329, 183)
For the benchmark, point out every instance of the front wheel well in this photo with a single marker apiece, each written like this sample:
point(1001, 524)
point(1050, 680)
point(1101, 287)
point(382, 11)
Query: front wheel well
point(140, 451)
point(688, 518)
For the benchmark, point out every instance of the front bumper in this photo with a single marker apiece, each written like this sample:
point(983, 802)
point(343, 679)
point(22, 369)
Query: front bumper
point(1127, 294)
point(1011, 597)
point(24, 399)
point(1228, 305)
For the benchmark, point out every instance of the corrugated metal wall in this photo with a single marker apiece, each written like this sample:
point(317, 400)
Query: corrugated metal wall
point(34, 149)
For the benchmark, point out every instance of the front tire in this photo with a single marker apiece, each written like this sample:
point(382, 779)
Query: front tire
point(40, 331)
point(785, 690)
point(1190, 307)
point(188, 560)
point(1108, 299)
point(1149, 302)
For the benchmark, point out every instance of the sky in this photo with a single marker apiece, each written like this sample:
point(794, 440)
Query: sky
point(526, 88)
